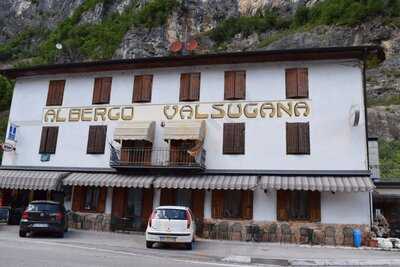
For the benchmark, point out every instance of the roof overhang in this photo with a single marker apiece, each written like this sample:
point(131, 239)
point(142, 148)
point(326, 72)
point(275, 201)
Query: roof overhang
point(326, 53)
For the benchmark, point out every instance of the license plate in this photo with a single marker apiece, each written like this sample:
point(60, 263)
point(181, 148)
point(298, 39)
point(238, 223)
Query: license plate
point(168, 238)
point(40, 225)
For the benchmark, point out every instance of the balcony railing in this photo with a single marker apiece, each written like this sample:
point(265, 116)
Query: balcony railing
point(157, 158)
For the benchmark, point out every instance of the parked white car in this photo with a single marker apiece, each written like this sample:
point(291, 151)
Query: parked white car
point(171, 224)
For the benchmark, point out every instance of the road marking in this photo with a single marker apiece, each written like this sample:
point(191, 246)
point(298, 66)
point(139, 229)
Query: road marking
point(129, 253)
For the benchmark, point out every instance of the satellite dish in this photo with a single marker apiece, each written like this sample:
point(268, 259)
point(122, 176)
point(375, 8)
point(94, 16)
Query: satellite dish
point(59, 46)
point(175, 47)
point(192, 45)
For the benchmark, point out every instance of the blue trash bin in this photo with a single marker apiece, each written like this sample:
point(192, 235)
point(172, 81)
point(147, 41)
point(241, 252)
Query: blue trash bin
point(357, 237)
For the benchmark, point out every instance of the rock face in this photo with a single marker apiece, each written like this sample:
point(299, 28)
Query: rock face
point(194, 18)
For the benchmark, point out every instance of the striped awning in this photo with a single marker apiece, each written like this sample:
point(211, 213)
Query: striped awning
point(108, 180)
point(213, 182)
point(138, 130)
point(31, 180)
point(318, 183)
point(185, 130)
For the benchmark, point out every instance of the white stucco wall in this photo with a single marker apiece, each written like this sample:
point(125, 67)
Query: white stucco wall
point(334, 88)
point(351, 208)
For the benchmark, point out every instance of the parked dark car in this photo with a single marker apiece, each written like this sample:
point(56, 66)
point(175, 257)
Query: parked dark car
point(44, 217)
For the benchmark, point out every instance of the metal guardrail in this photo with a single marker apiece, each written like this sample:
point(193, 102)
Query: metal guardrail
point(156, 157)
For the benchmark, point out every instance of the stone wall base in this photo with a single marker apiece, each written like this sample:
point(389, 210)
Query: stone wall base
point(89, 221)
point(285, 232)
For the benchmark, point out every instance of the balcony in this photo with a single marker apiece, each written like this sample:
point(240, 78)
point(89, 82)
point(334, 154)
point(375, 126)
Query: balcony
point(164, 158)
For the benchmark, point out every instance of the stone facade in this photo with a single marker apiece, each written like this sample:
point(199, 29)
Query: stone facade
point(284, 232)
point(89, 221)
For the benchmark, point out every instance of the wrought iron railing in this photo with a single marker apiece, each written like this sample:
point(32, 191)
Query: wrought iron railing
point(157, 157)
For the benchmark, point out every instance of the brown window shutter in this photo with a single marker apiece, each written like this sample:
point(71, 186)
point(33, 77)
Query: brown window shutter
point(304, 138)
point(97, 91)
point(291, 83)
point(101, 137)
point(247, 205)
point(292, 138)
point(78, 198)
point(228, 141)
point(102, 200)
point(194, 93)
point(315, 206)
point(229, 92)
point(106, 90)
point(167, 197)
point(55, 93)
point(198, 203)
point(52, 136)
point(142, 88)
point(43, 140)
point(118, 201)
point(217, 204)
point(240, 85)
point(185, 87)
point(239, 139)
point(147, 206)
point(302, 83)
point(282, 202)
point(91, 145)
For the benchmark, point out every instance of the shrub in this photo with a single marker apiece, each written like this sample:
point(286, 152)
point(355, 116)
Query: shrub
point(6, 87)
point(389, 158)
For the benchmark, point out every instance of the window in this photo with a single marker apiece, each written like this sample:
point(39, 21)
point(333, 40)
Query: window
point(235, 85)
point(234, 138)
point(232, 204)
point(96, 139)
point(142, 88)
point(297, 83)
point(298, 205)
point(89, 199)
point(190, 87)
point(298, 138)
point(136, 152)
point(102, 90)
point(56, 93)
point(48, 142)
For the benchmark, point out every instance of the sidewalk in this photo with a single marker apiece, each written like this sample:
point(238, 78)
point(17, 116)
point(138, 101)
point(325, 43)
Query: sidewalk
point(226, 251)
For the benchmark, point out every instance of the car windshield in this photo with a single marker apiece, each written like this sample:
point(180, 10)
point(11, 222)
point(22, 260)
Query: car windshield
point(170, 214)
point(52, 208)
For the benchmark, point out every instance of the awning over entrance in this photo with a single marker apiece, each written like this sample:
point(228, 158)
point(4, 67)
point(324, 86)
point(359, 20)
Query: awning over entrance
point(213, 182)
point(31, 180)
point(318, 183)
point(185, 130)
point(138, 130)
point(108, 180)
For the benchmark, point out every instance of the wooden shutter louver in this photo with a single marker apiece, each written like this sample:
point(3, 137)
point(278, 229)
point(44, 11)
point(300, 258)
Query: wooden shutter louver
point(78, 198)
point(315, 206)
point(96, 139)
point(217, 204)
point(234, 138)
point(55, 93)
point(48, 140)
point(235, 85)
point(101, 205)
point(198, 203)
point(102, 90)
point(296, 83)
point(185, 87)
point(118, 201)
point(247, 204)
point(190, 87)
point(282, 202)
point(194, 93)
point(292, 138)
point(142, 88)
point(304, 138)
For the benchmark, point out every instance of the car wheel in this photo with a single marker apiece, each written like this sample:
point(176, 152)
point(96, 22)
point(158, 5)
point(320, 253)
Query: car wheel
point(149, 244)
point(189, 246)
point(60, 234)
point(22, 234)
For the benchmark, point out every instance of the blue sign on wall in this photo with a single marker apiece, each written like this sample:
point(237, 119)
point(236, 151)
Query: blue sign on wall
point(12, 132)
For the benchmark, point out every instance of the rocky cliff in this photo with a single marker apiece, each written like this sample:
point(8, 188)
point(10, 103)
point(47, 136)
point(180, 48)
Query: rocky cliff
point(97, 29)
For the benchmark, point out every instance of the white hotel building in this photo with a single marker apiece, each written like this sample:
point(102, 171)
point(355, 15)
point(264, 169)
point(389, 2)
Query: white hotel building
point(265, 146)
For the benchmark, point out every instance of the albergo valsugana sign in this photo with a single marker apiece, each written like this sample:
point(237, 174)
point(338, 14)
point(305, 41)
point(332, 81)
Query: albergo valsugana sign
point(272, 109)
